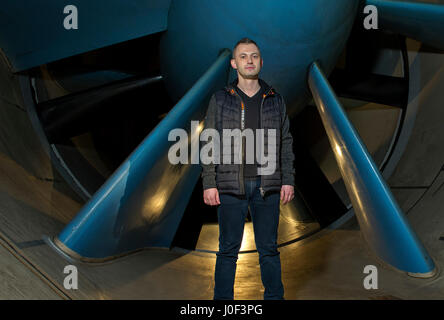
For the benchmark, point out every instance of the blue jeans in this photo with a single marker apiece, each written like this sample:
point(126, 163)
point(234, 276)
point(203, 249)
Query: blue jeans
point(231, 214)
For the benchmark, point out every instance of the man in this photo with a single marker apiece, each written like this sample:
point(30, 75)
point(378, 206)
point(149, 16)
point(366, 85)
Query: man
point(249, 103)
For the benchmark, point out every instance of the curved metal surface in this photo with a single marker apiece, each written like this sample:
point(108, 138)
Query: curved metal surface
point(290, 34)
point(142, 202)
point(420, 21)
point(100, 24)
point(334, 257)
point(382, 222)
point(60, 115)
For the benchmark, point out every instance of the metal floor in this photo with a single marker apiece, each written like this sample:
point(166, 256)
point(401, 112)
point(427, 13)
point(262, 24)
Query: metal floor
point(36, 202)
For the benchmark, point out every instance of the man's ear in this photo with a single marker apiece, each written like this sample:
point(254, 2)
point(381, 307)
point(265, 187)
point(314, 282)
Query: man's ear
point(262, 62)
point(233, 64)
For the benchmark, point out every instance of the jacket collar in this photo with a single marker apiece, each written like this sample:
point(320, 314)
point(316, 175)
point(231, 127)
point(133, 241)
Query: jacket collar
point(268, 89)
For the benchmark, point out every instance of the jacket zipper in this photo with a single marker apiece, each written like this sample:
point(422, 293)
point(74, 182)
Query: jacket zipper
point(242, 125)
point(261, 188)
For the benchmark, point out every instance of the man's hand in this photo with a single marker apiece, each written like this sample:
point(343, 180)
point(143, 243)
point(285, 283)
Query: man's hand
point(211, 196)
point(287, 193)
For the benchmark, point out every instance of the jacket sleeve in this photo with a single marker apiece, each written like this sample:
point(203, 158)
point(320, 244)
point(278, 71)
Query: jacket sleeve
point(287, 155)
point(209, 170)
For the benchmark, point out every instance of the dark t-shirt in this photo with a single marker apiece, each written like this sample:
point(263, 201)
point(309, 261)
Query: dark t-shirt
point(252, 109)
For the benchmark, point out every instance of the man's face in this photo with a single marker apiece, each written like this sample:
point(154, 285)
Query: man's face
point(247, 61)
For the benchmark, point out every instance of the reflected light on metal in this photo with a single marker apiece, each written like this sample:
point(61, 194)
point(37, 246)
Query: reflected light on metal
point(142, 202)
point(247, 238)
point(382, 222)
point(338, 151)
point(417, 20)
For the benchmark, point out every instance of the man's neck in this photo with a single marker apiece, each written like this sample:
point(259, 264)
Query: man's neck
point(249, 86)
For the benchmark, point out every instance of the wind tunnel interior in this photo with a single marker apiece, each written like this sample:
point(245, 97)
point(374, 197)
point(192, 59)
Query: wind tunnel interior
point(92, 110)
point(39, 197)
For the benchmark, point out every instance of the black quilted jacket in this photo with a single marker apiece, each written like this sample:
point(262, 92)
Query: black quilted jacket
point(225, 112)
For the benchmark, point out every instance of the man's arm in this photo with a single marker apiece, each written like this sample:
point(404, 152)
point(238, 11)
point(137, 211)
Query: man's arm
point(209, 170)
point(287, 155)
point(287, 158)
point(211, 194)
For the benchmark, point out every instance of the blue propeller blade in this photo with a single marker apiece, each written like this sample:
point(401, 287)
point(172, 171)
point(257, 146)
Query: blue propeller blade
point(417, 20)
point(142, 202)
point(382, 222)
